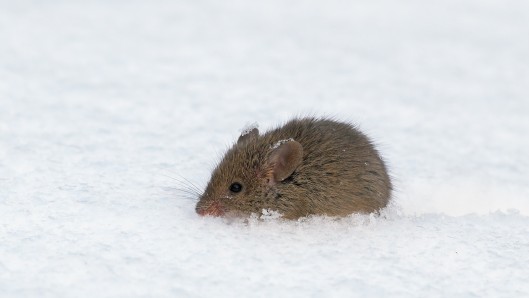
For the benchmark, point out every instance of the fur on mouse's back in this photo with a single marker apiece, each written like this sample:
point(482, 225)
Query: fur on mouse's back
point(307, 166)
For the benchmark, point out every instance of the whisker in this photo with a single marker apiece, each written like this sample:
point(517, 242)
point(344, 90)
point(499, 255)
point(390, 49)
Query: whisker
point(191, 184)
point(184, 193)
point(188, 192)
point(185, 182)
point(187, 198)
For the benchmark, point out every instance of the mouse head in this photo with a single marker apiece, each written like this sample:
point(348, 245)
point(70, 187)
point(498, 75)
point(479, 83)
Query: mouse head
point(246, 179)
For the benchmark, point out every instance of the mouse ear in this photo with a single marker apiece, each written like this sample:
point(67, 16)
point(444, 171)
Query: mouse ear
point(247, 135)
point(283, 161)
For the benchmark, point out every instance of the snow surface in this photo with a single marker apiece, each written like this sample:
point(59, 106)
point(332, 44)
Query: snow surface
point(109, 108)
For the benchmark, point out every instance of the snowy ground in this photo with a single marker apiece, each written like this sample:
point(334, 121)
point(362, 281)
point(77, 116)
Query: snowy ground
point(106, 106)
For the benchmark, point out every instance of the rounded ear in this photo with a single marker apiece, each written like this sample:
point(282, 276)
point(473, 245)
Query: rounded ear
point(283, 161)
point(247, 135)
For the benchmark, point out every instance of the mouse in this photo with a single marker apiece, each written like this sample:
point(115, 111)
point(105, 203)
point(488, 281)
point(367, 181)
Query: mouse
point(308, 166)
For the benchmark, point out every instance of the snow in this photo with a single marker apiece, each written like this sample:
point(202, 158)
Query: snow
point(249, 127)
point(109, 110)
point(281, 142)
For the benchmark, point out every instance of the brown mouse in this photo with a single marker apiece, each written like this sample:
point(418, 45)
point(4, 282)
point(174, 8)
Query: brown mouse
point(307, 166)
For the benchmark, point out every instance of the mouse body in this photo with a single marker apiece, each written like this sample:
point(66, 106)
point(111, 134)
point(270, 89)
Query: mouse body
point(308, 166)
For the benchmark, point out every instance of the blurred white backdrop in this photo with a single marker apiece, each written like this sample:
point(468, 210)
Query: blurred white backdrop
point(106, 106)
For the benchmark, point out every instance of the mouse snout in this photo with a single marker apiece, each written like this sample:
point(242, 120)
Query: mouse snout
point(213, 209)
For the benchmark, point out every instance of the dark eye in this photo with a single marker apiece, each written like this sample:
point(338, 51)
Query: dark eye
point(235, 187)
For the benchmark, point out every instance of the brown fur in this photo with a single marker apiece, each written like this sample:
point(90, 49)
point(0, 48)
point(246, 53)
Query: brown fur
point(340, 173)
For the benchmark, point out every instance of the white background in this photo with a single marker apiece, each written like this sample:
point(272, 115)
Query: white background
point(108, 107)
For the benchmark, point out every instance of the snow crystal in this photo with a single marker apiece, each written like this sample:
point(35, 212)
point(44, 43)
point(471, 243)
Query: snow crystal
point(268, 214)
point(249, 127)
point(102, 102)
point(281, 142)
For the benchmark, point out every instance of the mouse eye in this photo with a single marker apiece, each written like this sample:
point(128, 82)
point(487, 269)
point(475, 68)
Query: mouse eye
point(235, 187)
